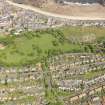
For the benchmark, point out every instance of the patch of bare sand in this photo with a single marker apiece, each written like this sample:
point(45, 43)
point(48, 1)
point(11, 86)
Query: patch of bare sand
point(2, 47)
point(95, 10)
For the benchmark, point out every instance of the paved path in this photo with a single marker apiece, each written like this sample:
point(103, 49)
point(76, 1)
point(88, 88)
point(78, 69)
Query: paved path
point(52, 14)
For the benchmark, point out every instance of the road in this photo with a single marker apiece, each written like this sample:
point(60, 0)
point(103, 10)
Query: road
point(37, 10)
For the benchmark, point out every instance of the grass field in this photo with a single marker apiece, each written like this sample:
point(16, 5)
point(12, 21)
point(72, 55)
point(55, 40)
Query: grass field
point(31, 47)
point(97, 32)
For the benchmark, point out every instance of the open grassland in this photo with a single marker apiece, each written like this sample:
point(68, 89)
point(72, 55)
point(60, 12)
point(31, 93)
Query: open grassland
point(83, 31)
point(31, 47)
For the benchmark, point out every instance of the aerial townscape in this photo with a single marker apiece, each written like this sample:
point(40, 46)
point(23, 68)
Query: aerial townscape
point(52, 52)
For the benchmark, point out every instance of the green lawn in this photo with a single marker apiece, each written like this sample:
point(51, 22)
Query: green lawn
point(31, 47)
